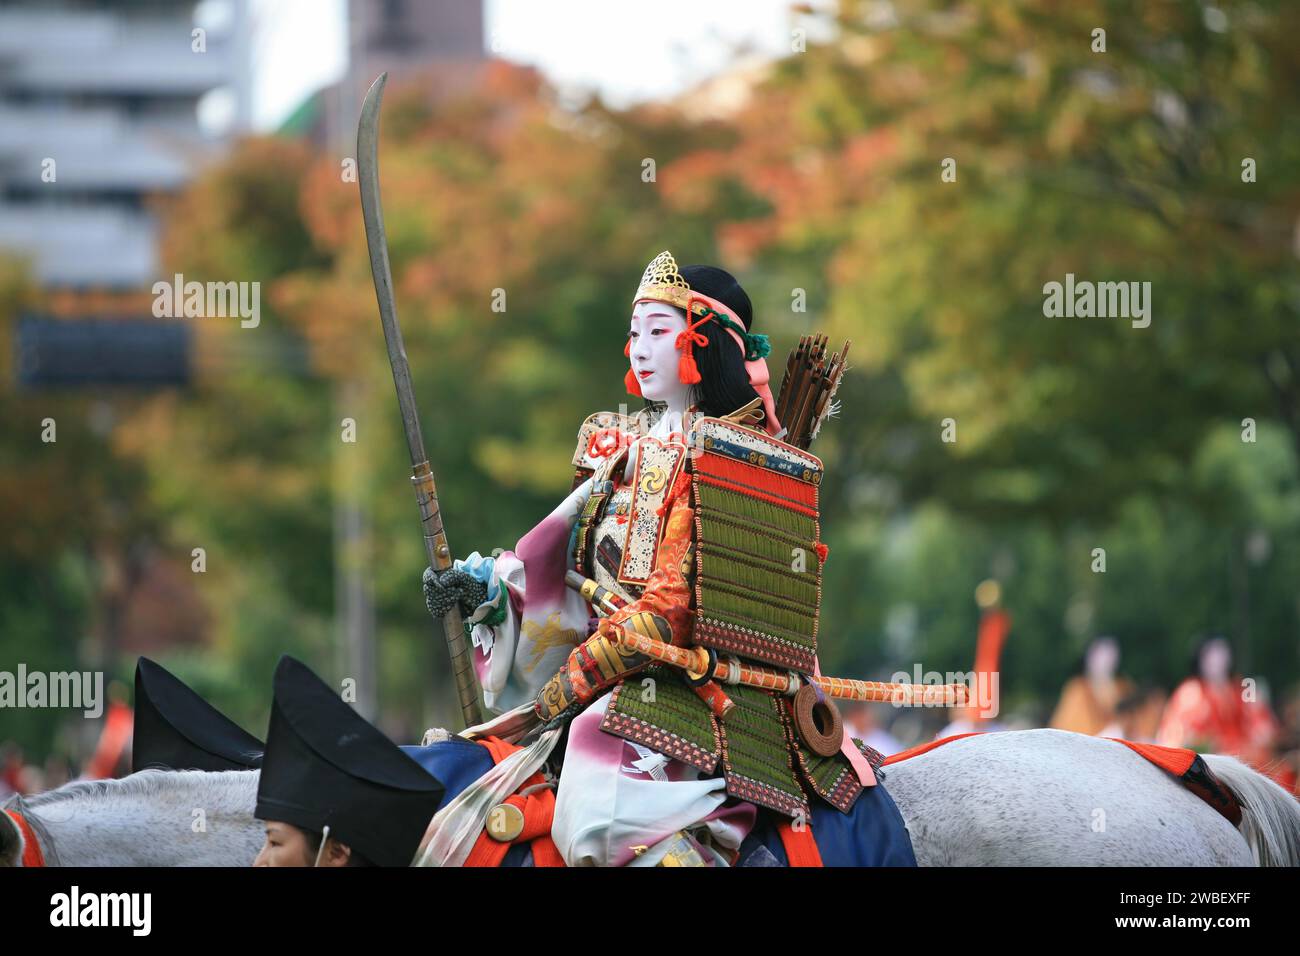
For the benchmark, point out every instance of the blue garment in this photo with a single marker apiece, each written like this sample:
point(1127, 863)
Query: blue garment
point(871, 834)
point(457, 763)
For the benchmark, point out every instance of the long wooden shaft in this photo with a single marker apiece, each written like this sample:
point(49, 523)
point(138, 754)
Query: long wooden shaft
point(426, 494)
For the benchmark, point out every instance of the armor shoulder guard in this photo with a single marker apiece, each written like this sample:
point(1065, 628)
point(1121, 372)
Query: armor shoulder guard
point(632, 426)
point(758, 550)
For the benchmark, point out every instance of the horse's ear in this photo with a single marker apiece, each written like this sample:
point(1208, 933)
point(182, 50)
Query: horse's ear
point(11, 842)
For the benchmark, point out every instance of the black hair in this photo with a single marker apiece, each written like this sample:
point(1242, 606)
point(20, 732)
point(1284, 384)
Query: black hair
point(314, 841)
point(724, 382)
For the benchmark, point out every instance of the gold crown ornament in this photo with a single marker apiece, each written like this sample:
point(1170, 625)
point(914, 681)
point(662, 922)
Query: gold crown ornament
point(662, 282)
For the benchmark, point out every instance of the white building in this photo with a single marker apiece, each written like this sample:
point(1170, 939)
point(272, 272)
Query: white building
point(100, 106)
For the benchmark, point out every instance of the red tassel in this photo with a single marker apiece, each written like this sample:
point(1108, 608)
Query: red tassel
point(630, 379)
point(822, 550)
point(687, 371)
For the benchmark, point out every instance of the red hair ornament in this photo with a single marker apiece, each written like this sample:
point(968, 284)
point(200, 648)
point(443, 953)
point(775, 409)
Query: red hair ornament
point(633, 386)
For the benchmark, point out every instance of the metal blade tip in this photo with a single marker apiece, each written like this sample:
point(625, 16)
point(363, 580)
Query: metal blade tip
point(377, 87)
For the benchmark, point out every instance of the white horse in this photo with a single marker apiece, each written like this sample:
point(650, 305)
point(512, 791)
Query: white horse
point(151, 818)
point(1016, 798)
point(1056, 798)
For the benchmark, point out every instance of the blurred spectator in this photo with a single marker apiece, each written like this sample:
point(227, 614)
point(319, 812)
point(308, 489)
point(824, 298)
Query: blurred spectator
point(11, 770)
point(860, 722)
point(57, 771)
point(1090, 699)
point(113, 752)
point(1137, 716)
point(963, 722)
point(995, 625)
point(1288, 744)
point(1211, 712)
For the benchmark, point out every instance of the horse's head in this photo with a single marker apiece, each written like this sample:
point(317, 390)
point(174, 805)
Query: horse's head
point(11, 842)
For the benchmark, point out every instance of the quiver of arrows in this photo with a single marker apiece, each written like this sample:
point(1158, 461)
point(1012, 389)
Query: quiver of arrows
point(808, 390)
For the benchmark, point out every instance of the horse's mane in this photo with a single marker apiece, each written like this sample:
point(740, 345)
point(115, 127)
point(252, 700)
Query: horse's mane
point(220, 791)
point(142, 783)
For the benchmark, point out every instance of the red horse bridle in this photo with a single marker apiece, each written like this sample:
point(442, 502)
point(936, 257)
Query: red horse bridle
point(32, 855)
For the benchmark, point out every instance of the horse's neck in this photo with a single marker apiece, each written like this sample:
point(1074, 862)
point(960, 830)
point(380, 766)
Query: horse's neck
point(154, 818)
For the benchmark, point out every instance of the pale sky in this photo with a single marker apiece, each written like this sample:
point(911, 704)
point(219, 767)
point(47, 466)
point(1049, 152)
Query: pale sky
point(626, 51)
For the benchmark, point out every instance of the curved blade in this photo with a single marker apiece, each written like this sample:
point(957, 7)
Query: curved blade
point(372, 213)
point(426, 495)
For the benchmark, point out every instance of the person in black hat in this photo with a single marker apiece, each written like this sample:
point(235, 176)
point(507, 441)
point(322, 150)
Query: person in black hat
point(176, 729)
point(334, 791)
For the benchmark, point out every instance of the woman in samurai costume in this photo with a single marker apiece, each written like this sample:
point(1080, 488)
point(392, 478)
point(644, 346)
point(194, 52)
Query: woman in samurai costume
point(657, 768)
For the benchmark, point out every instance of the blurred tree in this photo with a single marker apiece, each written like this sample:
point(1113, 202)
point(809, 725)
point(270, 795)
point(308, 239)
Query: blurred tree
point(518, 230)
point(70, 509)
point(1125, 165)
point(1133, 164)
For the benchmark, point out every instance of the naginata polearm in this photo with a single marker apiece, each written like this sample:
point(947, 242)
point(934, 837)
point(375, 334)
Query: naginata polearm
point(426, 495)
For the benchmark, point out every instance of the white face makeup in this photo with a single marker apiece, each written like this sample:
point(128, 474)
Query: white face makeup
point(1103, 659)
point(1216, 661)
point(653, 331)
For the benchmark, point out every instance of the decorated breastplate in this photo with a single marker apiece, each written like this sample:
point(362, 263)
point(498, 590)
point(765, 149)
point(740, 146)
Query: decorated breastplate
point(609, 544)
point(622, 524)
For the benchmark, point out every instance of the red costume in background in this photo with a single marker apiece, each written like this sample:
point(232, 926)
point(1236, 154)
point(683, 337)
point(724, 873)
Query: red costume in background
point(1216, 718)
